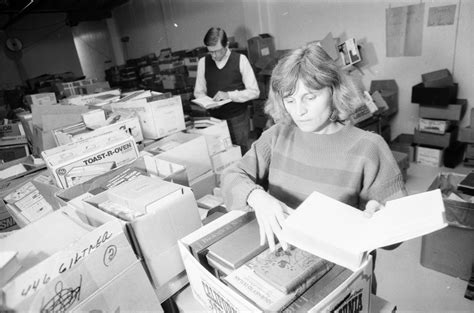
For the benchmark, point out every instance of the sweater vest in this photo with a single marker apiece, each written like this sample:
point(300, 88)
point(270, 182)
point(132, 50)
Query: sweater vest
point(228, 78)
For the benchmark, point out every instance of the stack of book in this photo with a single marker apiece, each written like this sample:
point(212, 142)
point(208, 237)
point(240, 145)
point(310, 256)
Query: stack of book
point(271, 280)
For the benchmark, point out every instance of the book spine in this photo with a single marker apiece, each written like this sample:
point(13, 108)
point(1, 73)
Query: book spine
point(218, 234)
point(304, 282)
point(319, 290)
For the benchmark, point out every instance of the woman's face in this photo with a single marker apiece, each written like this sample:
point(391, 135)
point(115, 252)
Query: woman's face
point(309, 109)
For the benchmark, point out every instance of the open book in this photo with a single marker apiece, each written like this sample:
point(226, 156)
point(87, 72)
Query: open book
point(342, 234)
point(208, 103)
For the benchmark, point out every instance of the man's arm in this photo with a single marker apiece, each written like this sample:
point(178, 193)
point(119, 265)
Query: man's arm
point(251, 90)
point(200, 88)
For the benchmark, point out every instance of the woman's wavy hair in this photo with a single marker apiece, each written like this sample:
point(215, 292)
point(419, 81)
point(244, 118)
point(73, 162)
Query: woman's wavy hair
point(313, 66)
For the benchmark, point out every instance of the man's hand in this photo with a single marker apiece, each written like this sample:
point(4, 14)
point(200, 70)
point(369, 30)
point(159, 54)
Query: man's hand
point(221, 95)
point(270, 214)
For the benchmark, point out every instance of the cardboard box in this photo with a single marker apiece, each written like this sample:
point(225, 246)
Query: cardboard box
point(163, 169)
point(41, 98)
point(42, 140)
point(12, 130)
point(435, 96)
point(203, 184)
point(429, 156)
point(94, 88)
point(128, 291)
point(215, 131)
point(435, 140)
point(14, 152)
point(49, 117)
point(216, 296)
point(466, 134)
point(433, 126)
point(78, 268)
point(388, 89)
point(158, 117)
point(77, 132)
point(189, 150)
point(26, 120)
point(76, 162)
point(449, 250)
point(261, 47)
point(453, 112)
point(7, 223)
point(225, 158)
point(154, 235)
point(440, 78)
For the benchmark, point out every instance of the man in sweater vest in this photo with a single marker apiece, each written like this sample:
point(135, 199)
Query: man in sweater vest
point(222, 75)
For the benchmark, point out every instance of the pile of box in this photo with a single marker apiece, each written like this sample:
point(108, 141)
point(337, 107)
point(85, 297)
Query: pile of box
point(436, 136)
point(103, 165)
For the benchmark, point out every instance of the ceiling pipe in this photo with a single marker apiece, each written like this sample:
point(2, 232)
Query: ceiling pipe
point(19, 15)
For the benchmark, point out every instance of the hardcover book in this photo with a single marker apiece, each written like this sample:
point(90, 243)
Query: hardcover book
point(260, 292)
point(199, 248)
point(288, 270)
point(238, 247)
point(319, 290)
point(342, 234)
point(467, 184)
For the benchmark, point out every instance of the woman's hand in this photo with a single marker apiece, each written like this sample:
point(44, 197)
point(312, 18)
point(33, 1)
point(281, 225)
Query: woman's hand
point(270, 214)
point(371, 207)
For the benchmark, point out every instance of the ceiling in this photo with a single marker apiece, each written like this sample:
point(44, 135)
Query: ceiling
point(76, 10)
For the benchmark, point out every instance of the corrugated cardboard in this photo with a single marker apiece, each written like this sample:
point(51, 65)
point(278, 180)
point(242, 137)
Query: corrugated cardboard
point(189, 150)
point(78, 132)
point(79, 269)
point(439, 78)
point(429, 156)
point(435, 140)
point(216, 296)
point(215, 131)
point(158, 117)
point(449, 250)
point(453, 112)
point(154, 235)
point(76, 162)
point(41, 98)
point(49, 117)
point(435, 96)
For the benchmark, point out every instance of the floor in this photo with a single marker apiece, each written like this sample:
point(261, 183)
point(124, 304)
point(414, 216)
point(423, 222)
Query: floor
point(401, 278)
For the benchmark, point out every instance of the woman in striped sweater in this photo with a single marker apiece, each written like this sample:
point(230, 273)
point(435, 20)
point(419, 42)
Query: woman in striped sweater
point(311, 147)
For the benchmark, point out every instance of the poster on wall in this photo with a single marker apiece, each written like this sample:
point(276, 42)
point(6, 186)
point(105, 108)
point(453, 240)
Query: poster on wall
point(404, 30)
point(444, 15)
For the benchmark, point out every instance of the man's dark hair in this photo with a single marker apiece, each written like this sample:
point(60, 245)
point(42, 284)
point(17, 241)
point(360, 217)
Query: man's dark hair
point(214, 35)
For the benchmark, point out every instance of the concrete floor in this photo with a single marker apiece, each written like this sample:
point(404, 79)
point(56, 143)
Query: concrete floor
point(403, 281)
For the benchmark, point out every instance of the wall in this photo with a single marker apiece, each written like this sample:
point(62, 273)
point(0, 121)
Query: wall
point(296, 22)
point(94, 48)
point(180, 24)
point(48, 46)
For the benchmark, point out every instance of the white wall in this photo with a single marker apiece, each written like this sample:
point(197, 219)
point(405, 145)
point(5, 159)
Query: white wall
point(94, 48)
point(151, 27)
point(297, 22)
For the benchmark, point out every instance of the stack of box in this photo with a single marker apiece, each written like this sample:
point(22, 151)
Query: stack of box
point(466, 135)
point(439, 113)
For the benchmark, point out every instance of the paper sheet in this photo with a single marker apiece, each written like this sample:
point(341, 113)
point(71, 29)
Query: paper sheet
point(441, 15)
point(404, 30)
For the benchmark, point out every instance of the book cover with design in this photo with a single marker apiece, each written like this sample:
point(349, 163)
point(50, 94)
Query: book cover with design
point(287, 270)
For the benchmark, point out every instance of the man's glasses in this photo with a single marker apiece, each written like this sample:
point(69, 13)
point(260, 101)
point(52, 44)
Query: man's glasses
point(217, 52)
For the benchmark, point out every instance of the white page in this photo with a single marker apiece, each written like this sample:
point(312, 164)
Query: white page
point(207, 102)
point(336, 231)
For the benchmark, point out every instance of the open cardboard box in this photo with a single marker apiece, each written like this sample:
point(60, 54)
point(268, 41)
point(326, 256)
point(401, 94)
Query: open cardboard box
point(153, 235)
point(79, 266)
point(216, 296)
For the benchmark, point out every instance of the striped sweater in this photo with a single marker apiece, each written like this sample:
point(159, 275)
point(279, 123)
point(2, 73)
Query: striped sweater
point(351, 165)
